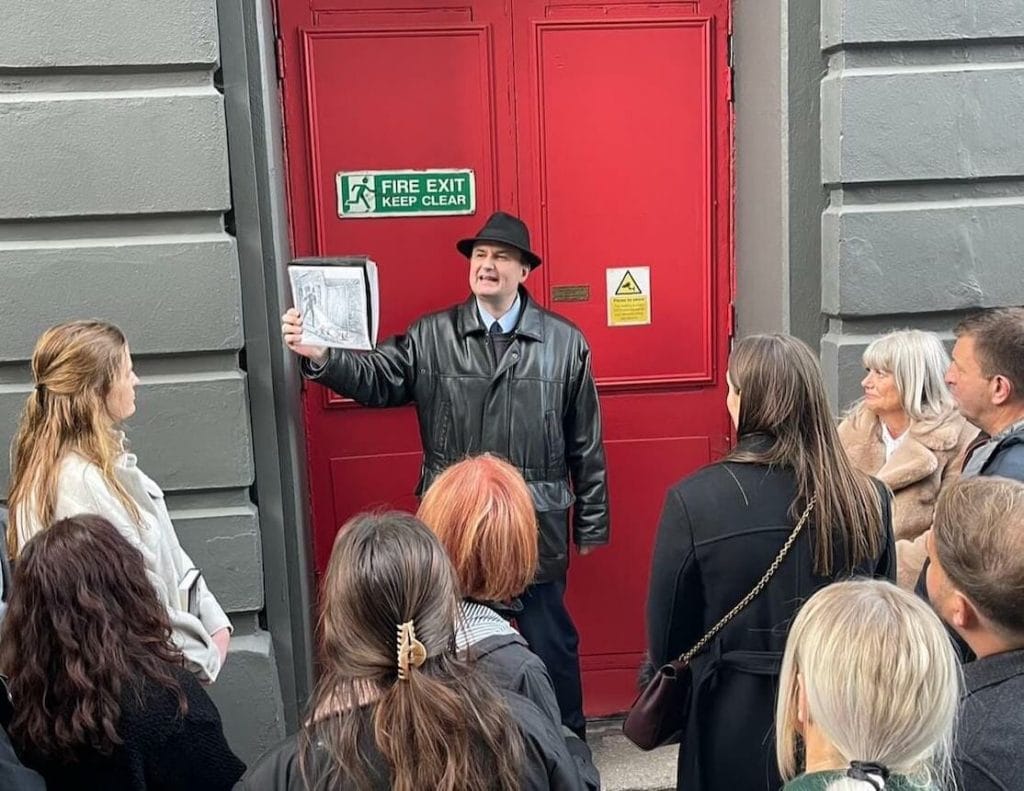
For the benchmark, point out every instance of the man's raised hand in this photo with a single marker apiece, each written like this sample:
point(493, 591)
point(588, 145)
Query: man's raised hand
point(291, 331)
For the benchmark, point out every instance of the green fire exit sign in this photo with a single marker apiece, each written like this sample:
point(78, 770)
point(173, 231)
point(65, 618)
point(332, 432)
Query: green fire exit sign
point(405, 193)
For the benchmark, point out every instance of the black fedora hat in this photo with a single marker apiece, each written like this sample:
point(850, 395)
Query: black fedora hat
point(502, 228)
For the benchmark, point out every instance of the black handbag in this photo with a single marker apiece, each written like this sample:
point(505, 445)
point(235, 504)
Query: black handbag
point(659, 713)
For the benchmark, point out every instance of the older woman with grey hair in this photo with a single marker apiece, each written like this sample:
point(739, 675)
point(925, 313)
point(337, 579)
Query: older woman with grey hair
point(907, 432)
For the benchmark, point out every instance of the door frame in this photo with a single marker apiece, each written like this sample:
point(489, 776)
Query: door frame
point(259, 221)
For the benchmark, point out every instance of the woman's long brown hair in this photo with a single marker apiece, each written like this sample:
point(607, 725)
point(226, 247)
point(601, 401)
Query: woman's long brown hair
point(444, 728)
point(74, 365)
point(83, 628)
point(782, 398)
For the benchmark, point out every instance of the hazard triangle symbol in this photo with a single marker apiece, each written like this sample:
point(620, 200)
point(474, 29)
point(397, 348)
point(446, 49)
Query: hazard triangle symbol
point(628, 286)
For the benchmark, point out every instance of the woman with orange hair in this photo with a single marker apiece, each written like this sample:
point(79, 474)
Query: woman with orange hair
point(482, 512)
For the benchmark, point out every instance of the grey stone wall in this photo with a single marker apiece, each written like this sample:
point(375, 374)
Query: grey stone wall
point(922, 109)
point(113, 186)
point(779, 196)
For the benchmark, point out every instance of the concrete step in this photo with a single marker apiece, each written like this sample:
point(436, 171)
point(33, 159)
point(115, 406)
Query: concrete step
point(623, 766)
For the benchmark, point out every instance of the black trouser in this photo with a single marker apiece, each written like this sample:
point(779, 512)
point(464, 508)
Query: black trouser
point(548, 628)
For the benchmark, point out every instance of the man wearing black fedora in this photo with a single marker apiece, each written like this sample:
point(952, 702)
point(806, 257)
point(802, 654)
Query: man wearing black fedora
point(500, 374)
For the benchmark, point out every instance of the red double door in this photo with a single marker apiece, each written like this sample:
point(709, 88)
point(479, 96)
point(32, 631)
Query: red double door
point(607, 127)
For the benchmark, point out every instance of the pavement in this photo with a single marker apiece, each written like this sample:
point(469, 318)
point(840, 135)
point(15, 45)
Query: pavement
point(624, 767)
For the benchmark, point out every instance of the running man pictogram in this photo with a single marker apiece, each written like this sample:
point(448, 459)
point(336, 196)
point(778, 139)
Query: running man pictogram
point(360, 192)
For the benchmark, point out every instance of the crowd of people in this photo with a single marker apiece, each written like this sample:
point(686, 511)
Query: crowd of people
point(919, 483)
point(849, 594)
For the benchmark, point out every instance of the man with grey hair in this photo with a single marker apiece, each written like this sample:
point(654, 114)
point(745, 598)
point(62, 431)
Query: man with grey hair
point(976, 584)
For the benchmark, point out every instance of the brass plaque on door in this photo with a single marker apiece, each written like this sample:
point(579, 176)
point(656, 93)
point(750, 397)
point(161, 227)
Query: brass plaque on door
point(570, 293)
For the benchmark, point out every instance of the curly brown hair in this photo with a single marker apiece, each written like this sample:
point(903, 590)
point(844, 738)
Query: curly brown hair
point(83, 629)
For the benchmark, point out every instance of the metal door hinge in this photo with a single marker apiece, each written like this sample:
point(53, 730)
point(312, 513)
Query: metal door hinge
point(279, 57)
point(731, 59)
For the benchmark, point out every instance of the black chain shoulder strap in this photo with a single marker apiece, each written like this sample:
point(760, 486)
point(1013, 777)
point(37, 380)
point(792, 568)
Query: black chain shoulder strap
point(685, 658)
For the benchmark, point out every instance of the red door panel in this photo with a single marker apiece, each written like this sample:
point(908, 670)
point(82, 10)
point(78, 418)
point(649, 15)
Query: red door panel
point(412, 98)
point(620, 157)
point(607, 127)
point(385, 481)
point(621, 126)
point(381, 86)
point(608, 588)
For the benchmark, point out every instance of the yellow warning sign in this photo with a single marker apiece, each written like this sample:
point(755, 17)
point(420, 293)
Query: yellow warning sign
point(624, 311)
point(629, 296)
point(627, 286)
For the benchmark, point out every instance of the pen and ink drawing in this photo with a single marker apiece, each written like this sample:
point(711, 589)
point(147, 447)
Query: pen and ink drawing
point(333, 306)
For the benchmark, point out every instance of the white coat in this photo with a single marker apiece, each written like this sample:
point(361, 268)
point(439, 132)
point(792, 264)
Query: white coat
point(81, 489)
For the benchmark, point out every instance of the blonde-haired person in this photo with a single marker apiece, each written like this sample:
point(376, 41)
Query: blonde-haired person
point(906, 431)
point(69, 457)
point(868, 693)
point(721, 530)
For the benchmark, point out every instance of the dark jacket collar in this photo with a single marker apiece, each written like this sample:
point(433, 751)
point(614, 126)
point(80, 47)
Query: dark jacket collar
point(531, 318)
point(992, 670)
point(494, 642)
point(755, 442)
point(506, 609)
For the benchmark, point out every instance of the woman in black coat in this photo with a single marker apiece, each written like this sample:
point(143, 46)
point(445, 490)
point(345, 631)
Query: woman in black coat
point(395, 709)
point(722, 528)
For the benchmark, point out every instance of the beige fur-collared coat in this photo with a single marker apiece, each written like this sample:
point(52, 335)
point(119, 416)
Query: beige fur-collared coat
point(926, 460)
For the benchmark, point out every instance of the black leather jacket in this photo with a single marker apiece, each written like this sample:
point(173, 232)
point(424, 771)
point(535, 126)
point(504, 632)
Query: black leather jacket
point(537, 408)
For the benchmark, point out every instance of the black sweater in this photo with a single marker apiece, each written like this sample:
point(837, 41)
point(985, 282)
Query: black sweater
point(162, 751)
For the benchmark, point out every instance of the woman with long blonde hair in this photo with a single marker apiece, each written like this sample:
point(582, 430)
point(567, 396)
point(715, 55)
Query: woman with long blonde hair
point(785, 506)
point(395, 708)
point(69, 457)
point(868, 693)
